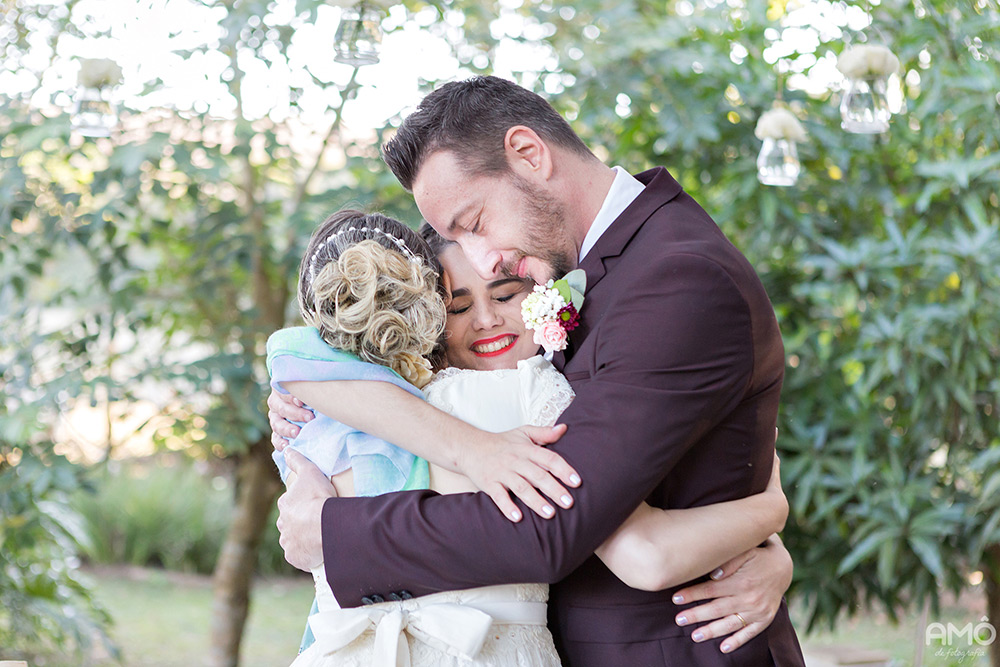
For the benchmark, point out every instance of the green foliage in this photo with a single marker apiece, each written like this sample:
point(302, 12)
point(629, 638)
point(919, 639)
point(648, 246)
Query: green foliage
point(44, 600)
point(881, 264)
point(164, 258)
point(163, 514)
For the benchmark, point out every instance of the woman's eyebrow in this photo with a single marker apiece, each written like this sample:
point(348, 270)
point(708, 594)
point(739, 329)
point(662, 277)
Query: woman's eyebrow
point(461, 291)
point(502, 282)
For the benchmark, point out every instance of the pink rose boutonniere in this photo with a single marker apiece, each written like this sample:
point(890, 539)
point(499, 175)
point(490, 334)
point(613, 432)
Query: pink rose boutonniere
point(552, 310)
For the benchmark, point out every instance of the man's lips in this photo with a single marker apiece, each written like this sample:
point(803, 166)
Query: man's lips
point(520, 269)
point(492, 347)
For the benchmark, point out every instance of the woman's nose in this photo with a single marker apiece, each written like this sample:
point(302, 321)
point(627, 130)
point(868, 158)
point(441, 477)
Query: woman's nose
point(487, 317)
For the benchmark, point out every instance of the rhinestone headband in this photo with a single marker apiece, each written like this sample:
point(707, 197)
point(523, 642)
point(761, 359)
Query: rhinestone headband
point(364, 230)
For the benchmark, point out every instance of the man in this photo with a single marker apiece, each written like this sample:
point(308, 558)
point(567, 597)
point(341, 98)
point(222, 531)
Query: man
point(677, 364)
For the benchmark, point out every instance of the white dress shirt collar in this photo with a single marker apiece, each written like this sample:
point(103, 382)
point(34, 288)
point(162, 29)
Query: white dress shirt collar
point(623, 192)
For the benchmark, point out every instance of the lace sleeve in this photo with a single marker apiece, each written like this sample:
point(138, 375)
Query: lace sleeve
point(550, 394)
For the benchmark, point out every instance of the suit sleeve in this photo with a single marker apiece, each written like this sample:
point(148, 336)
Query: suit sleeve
point(674, 356)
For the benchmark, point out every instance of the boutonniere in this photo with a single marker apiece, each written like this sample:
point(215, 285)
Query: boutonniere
point(552, 310)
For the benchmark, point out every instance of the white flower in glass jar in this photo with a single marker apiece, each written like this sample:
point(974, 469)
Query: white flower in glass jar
point(866, 61)
point(99, 73)
point(779, 123)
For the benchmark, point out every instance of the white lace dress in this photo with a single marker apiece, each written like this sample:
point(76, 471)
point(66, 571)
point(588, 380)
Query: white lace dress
point(493, 626)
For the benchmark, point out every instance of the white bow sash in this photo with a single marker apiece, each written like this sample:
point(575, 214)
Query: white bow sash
point(449, 627)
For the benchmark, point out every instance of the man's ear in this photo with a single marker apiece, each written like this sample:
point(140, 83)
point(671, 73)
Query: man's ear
point(527, 153)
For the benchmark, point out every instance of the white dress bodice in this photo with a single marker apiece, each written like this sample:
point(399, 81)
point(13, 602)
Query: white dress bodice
point(492, 626)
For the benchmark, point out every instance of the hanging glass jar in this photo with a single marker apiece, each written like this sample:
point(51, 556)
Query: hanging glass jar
point(359, 35)
point(778, 160)
point(94, 114)
point(864, 107)
point(94, 111)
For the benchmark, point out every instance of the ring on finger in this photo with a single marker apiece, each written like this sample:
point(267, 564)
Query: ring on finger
point(742, 620)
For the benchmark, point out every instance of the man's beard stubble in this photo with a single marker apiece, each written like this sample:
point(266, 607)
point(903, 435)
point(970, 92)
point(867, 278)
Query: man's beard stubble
point(544, 229)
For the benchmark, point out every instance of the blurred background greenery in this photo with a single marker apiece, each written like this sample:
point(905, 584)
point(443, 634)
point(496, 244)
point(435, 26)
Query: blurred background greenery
point(140, 275)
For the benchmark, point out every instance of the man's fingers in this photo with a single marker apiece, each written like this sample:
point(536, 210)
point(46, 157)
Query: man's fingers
point(303, 468)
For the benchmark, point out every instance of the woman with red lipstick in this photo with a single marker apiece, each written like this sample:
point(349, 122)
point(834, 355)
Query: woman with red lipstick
point(495, 381)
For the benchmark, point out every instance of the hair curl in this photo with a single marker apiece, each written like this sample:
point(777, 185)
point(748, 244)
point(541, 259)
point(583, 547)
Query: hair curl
point(367, 295)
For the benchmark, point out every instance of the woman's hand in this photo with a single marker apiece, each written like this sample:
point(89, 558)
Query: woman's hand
point(514, 462)
point(743, 597)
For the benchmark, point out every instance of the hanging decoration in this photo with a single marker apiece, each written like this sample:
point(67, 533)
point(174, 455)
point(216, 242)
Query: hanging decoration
point(778, 160)
point(864, 108)
point(95, 114)
point(359, 34)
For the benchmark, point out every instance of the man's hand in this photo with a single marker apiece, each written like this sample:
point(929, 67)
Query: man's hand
point(282, 410)
point(513, 462)
point(300, 510)
point(742, 599)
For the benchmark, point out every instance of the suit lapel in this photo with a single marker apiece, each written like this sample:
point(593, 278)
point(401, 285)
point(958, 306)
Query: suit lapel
point(660, 189)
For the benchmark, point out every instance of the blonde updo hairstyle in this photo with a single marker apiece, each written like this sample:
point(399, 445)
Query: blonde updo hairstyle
point(370, 285)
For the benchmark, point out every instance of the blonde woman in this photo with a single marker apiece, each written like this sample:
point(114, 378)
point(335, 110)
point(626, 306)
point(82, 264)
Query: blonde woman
point(368, 287)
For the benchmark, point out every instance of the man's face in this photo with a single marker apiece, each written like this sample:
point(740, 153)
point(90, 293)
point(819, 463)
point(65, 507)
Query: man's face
point(505, 225)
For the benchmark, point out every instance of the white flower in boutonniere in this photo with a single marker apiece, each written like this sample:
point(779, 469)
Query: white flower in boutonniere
point(779, 123)
point(552, 310)
point(99, 73)
point(866, 61)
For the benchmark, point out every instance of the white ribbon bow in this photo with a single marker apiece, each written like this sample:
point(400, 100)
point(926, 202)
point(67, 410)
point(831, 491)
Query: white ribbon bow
point(452, 628)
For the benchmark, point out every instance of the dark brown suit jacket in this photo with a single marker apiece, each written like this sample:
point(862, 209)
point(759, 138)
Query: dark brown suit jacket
point(677, 366)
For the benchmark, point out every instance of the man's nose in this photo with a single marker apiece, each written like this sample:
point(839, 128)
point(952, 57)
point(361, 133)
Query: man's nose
point(484, 260)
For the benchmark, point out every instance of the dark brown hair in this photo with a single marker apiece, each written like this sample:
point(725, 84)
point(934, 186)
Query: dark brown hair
point(470, 118)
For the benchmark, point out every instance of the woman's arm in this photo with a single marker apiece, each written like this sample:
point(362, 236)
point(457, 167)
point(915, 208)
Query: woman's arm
point(495, 462)
point(656, 549)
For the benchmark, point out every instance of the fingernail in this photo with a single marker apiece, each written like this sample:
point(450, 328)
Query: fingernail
point(547, 510)
point(726, 648)
point(515, 515)
point(717, 573)
point(698, 635)
point(678, 599)
point(566, 501)
point(682, 620)
point(574, 479)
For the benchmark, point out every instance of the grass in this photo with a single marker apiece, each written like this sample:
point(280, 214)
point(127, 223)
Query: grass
point(162, 619)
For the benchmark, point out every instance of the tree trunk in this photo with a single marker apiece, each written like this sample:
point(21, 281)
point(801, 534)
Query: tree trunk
point(257, 488)
point(991, 573)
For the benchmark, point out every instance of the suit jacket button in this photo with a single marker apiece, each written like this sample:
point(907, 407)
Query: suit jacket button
point(378, 598)
point(406, 595)
point(394, 597)
point(367, 601)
